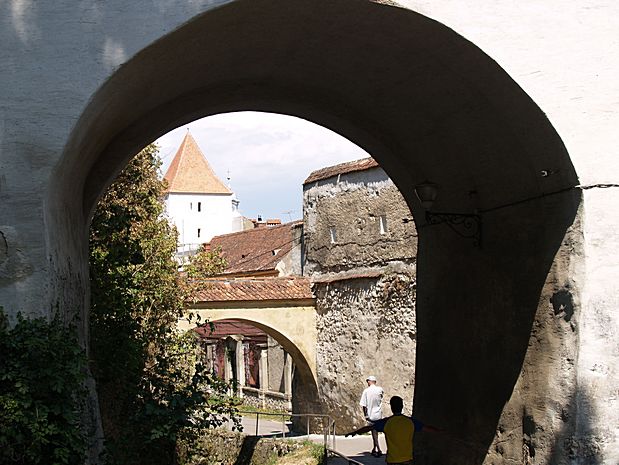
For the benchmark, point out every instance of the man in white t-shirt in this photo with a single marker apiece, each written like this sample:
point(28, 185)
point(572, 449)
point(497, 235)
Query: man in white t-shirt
point(371, 401)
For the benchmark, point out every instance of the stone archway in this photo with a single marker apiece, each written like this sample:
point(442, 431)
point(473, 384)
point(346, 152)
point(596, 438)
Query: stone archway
point(428, 105)
point(295, 331)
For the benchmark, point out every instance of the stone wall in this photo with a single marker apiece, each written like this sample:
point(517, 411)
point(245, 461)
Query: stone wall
point(351, 206)
point(365, 327)
point(220, 447)
point(361, 255)
point(270, 400)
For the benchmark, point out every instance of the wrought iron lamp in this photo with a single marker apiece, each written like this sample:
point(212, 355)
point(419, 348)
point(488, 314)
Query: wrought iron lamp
point(466, 225)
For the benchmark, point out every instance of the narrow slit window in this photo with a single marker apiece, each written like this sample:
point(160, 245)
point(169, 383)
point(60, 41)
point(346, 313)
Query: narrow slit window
point(199, 206)
point(333, 234)
point(199, 231)
point(191, 205)
point(382, 224)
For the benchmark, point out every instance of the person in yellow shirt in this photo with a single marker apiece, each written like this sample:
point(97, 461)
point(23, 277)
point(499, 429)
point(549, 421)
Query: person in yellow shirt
point(399, 431)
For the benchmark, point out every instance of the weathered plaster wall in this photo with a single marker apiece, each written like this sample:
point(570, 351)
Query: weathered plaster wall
point(568, 65)
point(364, 283)
point(352, 205)
point(85, 85)
point(542, 422)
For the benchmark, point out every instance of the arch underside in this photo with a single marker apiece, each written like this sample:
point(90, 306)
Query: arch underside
point(428, 105)
point(286, 327)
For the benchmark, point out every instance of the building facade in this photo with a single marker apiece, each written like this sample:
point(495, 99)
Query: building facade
point(360, 254)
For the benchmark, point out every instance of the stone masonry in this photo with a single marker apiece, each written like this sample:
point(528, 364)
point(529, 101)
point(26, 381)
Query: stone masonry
point(360, 253)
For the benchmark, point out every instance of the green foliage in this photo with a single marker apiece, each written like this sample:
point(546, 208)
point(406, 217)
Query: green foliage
point(152, 389)
point(205, 263)
point(42, 372)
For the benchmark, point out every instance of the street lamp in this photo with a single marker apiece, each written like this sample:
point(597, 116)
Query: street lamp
point(466, 225)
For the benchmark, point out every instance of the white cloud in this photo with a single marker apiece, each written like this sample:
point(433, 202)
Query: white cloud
point(267, 155)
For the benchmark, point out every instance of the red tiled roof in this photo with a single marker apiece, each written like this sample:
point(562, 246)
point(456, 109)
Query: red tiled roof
point(225, 328)
point(258, 249)
point(190, 172)
point(254, 289)
point(342, 168)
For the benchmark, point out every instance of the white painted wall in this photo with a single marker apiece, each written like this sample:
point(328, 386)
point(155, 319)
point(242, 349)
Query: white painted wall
point(199, 217)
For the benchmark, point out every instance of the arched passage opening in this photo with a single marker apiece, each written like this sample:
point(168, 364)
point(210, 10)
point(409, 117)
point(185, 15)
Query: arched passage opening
point(428, 105)
point(287, 328)
point(302, 382)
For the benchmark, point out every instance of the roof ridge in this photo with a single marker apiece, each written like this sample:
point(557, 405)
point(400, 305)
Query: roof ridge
point(269, 228)
point(352, 166)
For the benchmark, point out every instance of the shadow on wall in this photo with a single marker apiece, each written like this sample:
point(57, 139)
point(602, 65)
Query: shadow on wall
point(581, 446)
point(305, 399)
point(477, 313)
point(247, 450)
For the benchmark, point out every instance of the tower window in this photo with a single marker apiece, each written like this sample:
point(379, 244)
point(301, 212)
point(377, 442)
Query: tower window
point(199, 232)
point(199, 206)
point(191, 205)
point(382, 223)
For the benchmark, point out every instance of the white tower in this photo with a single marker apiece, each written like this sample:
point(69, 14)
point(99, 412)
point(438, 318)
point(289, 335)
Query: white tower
point(197, 201)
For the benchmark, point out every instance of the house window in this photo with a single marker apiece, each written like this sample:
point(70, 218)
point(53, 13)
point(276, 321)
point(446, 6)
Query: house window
point(333, 234)
point(198, 232)
point(199, 206)
point(382, 224)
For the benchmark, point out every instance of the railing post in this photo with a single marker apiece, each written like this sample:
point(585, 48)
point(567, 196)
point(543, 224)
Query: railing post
point(325, 429)
point(308, 421)
point(283, 426)
point(257, 417)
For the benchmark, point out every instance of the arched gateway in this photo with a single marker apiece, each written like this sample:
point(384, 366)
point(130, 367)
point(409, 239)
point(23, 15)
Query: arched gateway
point(426, 103)
point(284, 308)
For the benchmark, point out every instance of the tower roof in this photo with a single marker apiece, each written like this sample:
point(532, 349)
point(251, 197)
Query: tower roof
point(190, 172)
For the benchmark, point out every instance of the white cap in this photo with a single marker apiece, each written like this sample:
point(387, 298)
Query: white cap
point(371, 378)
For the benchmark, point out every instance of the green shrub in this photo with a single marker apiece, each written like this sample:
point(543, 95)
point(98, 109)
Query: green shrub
point(42, 372)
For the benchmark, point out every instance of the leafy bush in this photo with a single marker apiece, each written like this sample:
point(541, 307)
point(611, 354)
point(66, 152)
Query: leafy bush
point(42, 373)
point(152, 389)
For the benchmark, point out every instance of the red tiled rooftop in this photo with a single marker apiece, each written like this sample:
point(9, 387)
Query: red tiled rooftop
point(223, 328)
point(190, 172)
point(342, 168)
point(258, 249)
point(254, 289)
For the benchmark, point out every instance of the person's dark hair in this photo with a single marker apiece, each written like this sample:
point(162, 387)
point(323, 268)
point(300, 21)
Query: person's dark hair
point(397, 404)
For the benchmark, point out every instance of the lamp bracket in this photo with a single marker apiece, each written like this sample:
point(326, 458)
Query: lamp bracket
point(465, 225)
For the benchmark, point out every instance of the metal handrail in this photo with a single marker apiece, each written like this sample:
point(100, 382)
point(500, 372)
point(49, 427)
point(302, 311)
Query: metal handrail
point(328, 432)
point(348, 459)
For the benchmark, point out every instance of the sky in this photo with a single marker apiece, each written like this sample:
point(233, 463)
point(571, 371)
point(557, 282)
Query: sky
point(267, 157)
